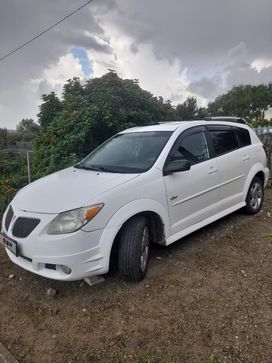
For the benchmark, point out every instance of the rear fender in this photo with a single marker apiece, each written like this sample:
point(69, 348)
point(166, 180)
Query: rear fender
point(253, 171)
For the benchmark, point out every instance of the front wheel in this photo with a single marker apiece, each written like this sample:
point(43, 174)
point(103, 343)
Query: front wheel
point(255, 196)
point(134, 247)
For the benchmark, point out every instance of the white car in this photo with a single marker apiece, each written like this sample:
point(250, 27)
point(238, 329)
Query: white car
point(146, 184)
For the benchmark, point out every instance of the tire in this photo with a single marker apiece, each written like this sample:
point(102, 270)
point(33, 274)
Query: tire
point(133, 256)
point(255, 196)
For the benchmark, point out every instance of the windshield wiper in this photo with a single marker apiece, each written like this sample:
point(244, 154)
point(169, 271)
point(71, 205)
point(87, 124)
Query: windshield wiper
point(83, 166)
point(109, 169)
point(92, 167)
point(102, 168)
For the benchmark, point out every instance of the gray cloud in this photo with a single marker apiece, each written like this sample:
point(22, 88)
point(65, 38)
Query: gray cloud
point(215, 40)
point(242, 74)
point(207, 87)
point(198, 31)
point(20, 21)
point(78, 39)
point(134, 48)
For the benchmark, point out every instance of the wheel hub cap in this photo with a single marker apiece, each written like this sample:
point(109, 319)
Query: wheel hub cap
point(255, 195)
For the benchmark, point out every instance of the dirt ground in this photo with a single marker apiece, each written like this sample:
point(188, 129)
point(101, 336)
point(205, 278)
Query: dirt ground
point(207, 298)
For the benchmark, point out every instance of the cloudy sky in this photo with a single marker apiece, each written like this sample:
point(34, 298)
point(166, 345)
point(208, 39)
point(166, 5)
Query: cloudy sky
point(175, 48)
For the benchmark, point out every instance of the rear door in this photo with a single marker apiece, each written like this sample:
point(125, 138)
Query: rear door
point(231, 149)
point(193, 194)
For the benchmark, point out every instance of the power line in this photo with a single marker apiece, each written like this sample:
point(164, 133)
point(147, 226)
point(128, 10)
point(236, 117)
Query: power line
point(45, 31)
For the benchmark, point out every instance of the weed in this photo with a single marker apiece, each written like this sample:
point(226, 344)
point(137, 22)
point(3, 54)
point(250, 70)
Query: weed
point(268, 236)
point(210, 359)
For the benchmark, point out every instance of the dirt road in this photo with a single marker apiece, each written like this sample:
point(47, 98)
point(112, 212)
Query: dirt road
point(207, 298)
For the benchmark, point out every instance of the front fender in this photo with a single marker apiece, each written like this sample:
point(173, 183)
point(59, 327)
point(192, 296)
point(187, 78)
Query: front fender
point(125, 213)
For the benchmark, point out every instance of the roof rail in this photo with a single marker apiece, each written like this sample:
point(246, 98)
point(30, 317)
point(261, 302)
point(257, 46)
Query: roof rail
point(238, 120)
point(168, 122)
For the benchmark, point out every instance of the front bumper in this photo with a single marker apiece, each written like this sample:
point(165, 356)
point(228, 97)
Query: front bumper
point(44, 254)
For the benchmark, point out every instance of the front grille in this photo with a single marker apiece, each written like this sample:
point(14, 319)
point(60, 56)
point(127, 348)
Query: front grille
point(24, 226)
point(9, 217)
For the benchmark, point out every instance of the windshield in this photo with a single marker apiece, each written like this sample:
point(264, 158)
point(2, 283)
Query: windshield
point(127, 153)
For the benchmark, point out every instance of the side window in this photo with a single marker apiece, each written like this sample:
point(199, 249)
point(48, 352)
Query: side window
point(243, 136)
point(223, 139)
point(193, 147)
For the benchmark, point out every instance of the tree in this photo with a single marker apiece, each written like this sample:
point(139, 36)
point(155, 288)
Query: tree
point(202, 112)
point(27, 125)
point(249, 102)
point(49, 109)
point(122, 104)
point(72, 88)
point(27, 129)
point(90, 114)
point(3, 138)
point(188, 110)
point(261, 101)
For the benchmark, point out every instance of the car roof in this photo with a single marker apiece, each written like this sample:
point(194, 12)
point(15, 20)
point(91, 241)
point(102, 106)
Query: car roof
point(174, 125)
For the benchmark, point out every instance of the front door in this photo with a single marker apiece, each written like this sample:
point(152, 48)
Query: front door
point(192, 195)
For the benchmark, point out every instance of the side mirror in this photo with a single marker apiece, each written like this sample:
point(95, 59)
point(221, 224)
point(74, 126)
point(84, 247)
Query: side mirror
point(176, 166)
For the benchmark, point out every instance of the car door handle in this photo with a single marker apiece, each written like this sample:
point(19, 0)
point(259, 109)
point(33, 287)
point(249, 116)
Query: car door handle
point(212, 170)
point(246, 158)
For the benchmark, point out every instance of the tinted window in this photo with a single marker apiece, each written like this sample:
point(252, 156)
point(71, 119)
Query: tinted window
point(193, 147)
point(223, 139)
point(243, 136)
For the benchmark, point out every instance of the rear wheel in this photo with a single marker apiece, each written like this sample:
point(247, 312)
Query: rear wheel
point(255, 196)
point(134, 247)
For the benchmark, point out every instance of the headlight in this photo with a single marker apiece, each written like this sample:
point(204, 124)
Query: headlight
point(73, 220)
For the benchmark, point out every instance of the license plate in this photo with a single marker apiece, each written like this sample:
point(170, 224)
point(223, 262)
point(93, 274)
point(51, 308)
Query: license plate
point(9, 244)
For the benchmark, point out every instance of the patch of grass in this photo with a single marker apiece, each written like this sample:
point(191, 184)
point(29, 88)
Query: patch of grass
point(210, 359)
point(149, 355)
point(154, 355)
point(268, 236)
point(121, 357)
point(144, 357)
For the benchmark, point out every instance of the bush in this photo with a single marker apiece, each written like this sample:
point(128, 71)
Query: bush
point(7, 192)
point(262, 123)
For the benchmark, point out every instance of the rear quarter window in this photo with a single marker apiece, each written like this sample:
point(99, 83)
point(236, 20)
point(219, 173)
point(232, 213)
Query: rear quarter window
point(243, 136)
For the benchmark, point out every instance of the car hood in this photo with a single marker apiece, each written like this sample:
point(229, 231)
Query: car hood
point(67, 189)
